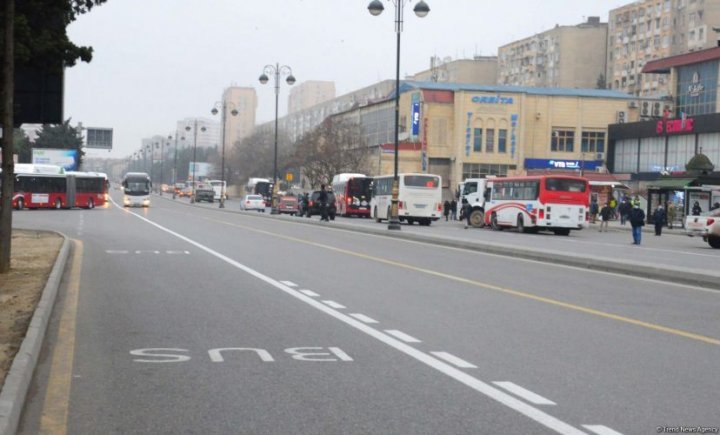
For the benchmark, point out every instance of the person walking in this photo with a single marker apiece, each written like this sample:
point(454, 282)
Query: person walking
point(606, 214)
point(594, 208)
point(446, 209)
point(466, 209)
point(696, 209)
point(613, 205)
point(624, 208)
point(671, 214)
point(453, 210)
point(323, 200)
point(659, 219)
point(637, 221)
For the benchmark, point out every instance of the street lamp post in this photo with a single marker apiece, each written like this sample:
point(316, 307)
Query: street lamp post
point(277, 71)
point(174, 171)
point(233, 111)
point(194, 163)
point(162, 159)
point(421, 9)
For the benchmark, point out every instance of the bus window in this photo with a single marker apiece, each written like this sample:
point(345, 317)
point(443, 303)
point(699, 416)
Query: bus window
point(421, 181)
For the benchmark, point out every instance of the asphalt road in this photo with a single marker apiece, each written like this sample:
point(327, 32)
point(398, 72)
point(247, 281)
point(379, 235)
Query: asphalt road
point(338, 331)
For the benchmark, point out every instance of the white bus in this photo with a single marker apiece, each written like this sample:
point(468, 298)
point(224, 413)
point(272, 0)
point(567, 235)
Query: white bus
point(136, 189)
point(419, 198)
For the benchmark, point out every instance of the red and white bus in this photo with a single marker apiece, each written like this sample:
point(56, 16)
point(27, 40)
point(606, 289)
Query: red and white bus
point(352, 194)
point(86, 189)
point(43, 186)
point(557, 203)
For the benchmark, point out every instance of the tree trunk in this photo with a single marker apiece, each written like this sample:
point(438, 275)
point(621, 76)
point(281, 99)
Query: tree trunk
point(8, 168)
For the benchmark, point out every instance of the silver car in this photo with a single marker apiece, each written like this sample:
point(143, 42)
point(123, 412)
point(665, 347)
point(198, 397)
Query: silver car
point(253, 202)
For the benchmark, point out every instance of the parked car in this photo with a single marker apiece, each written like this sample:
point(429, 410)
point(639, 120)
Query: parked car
point(204, 192)
point(314, 205)
point(288, 204)
point(707, 226)
point(253, 202)
point(186, 191)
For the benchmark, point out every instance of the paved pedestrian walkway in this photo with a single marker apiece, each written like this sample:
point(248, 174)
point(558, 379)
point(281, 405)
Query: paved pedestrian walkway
point(615, 225)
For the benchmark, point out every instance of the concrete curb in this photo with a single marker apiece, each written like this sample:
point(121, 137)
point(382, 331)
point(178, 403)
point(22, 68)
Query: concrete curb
point(636, 269)
point(17, 382)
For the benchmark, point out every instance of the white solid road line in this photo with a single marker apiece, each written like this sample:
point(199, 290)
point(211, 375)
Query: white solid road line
point(334, 304)
point(476, 384)
point(452, 359)
point(310, 293)
point(289, 283)
point(601, 430)
point(402, 336)
point(524, 393)
point(364, 318)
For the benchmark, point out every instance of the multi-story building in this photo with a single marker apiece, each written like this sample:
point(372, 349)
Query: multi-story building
point(205, 139)
point(309, 94)
point(646, 30)
point(565, 57)
point(244, 100)
point(480, 70)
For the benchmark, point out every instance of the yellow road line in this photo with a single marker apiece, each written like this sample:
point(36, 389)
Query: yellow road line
point(57, 398)
point(636, 322)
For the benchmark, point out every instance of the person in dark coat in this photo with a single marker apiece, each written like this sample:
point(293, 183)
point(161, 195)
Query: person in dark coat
point(637, 221)
point(453, 210)
point(696, 209)
point(606, 215)
point(323, 200)
point(659, 219)
point(446, 209)
point(624, 208)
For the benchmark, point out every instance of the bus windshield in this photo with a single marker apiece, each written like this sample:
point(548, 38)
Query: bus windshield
point(565, 185)
point(421, 181)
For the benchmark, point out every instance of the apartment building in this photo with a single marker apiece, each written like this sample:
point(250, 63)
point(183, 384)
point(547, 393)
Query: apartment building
point(565, 57)
point(309, 94)
point(646, 30)
point(237, 127)
point(210, 137)
point(480, 70)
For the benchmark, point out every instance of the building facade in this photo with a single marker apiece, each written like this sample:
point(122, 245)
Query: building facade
point(309, 94)
point(481, 70)
point(647, 30)
point(205, 139)
point(565, 57)
point(244, 100)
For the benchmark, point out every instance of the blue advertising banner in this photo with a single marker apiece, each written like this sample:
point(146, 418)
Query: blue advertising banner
point(589, 165)
point(415, 119)
point(67, 159)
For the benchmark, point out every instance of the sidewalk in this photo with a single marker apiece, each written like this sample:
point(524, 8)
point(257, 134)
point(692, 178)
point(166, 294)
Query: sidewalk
point(615, 225)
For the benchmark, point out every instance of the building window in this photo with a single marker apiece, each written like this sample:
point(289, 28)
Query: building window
point(562, 140)
point(490, 141)
point(478, 170)
point(477, 140)
point(593, 142)
point(502, 140)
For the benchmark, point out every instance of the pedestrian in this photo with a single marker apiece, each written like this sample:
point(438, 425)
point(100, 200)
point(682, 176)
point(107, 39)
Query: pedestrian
point(606, 214)
point(696, 209)
point(637, 221)
point(594, 208)
point(453, 210)
point(613, 205)
point(446, 209)
point(323, 200)
point(671, 214)
point(624, 209)
point(466, 212)
point(659, 219)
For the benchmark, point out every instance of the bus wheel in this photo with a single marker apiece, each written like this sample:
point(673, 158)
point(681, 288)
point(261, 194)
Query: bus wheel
point(425, 222)
point(477, 218)
point(562, 231)
point(58, 204)
point(375, 215)
point(20, 205)
point(91, 203)
point(411, 221)
point(494, 223)
point(521, 224)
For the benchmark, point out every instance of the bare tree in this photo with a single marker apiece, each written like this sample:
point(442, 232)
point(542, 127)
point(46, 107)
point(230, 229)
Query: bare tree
point(334, 147)
point(253, 156)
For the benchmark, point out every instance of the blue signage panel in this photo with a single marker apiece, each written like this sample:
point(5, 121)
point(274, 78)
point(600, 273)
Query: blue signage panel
point(415, 119)
point(589, 165)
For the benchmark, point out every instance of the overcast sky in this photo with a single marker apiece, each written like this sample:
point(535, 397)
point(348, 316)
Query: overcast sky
point(159, 61)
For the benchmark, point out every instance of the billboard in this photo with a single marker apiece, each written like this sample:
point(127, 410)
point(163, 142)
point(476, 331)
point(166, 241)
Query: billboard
point(67, 159)
point(202, 170)
point(100, 138)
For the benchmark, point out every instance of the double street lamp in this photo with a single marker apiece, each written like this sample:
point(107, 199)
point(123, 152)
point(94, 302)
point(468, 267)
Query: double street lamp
point(421, 9)
point(174, 171)
point(223, 105)
point(277, 71)
point(194, 128)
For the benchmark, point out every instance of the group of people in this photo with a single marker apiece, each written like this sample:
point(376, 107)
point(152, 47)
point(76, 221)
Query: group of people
point(450, 210)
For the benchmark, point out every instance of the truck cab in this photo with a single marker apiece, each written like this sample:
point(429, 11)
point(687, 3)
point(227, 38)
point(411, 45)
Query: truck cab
point(476, 192)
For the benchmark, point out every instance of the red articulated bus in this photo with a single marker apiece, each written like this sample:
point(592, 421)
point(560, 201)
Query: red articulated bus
point(47, 186)
point(352, 194)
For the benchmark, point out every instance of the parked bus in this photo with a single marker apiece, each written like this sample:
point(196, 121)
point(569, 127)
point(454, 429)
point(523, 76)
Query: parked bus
point(558, 203)
point(136, 189)
point(220, 188)
point(419, 198)
point(352, 194)
point(86, 189)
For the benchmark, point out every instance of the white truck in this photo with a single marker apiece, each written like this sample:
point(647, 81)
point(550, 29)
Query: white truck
point(476, 192)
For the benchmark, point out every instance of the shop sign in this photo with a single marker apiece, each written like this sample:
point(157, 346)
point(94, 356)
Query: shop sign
point(562, 164)
point(496, 99)
point(669, 126)
point(415, 119)
point(695, 88)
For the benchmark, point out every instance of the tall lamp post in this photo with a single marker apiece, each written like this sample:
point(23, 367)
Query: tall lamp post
point(194, 163)
point(174, 171)
point(421, 9)
point(233, 111)
point(277, 71)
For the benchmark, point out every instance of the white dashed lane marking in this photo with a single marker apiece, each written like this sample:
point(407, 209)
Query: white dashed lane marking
point(402, 336)
point(600, 430)
point(452, 359)
point(289, 283)
point(363, 318)
point(524, 393)
point(310, 293)
point(333, 304)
